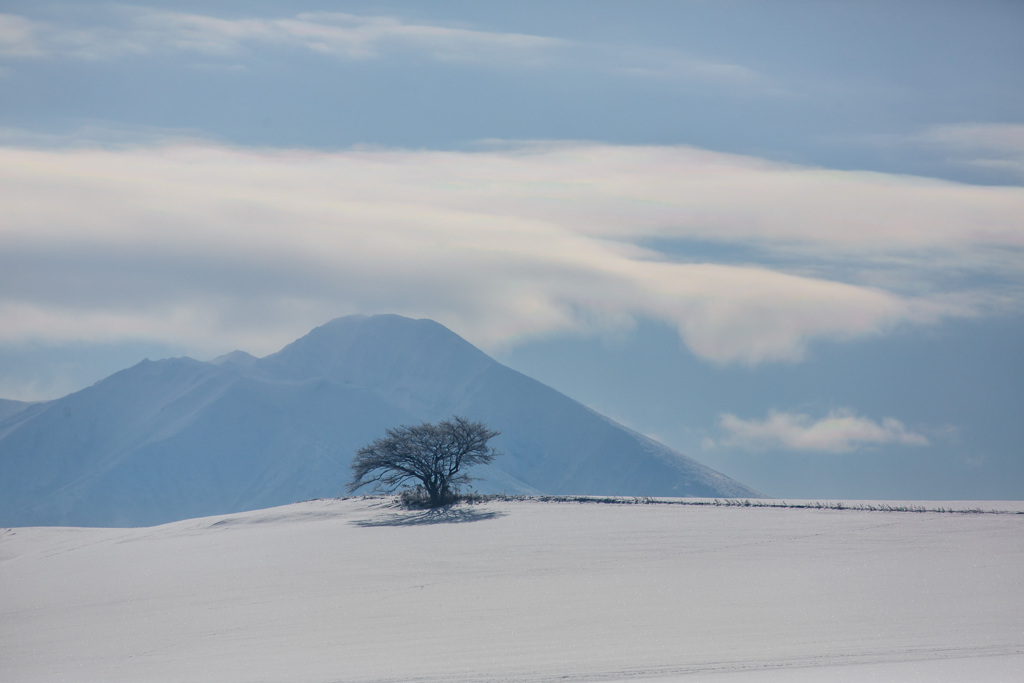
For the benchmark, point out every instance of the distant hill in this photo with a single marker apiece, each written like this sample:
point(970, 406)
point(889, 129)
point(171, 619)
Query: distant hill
point(9, 408)
point(179, 438)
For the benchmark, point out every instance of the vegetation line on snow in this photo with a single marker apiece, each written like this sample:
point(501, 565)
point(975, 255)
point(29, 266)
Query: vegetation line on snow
point(476, 498)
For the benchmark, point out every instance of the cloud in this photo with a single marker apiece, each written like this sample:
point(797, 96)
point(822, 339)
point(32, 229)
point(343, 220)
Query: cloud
point(985, 145)
point(840, 432)
point(993, 152)
point(131, 31)
point(674, 66)
point(17, 37)
point(344, 35)
point(212, 247)
point(24, 38)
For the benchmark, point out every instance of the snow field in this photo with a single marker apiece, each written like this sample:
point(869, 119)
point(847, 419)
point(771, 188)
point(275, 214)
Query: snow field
point(357, 590)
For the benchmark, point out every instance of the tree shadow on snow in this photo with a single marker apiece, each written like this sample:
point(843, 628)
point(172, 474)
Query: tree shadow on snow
point(445, 515)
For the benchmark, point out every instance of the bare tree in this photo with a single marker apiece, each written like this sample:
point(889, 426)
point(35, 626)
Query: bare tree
point(435, 455)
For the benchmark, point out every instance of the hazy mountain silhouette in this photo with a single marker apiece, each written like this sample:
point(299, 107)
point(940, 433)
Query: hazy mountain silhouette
point(179, 438)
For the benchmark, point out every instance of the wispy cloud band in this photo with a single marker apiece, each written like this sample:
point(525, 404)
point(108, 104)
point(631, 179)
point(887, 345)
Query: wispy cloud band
point(123, 31)
point(500, 244)
point(998, 146)
point(143, 30)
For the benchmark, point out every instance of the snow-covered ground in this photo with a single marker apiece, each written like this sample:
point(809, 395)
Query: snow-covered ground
point(357, 590)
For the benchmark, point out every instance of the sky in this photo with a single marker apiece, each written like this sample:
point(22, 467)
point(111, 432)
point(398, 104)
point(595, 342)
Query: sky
point(785, 238)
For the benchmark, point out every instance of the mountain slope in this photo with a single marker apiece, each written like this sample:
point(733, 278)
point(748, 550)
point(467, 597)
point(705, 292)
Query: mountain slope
point(181, 438)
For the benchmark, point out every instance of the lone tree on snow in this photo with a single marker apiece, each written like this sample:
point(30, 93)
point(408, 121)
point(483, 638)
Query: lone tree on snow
point(433, 454)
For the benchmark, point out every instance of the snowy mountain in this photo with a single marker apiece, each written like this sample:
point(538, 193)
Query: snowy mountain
point(180, 438)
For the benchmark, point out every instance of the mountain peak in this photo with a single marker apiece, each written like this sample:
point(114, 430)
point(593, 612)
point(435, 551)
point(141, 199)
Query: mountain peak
point(381, 351)
point(237, 358)
point(180, 438)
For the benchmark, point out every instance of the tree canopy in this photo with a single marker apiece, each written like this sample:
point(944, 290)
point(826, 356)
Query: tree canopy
point(434, 455)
